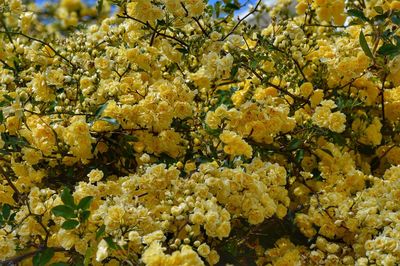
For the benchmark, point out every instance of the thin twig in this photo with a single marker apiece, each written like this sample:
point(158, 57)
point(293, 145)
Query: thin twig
point(15, 260)
point(42, 42)
point(10, 183)
point(125, 15)
point(240, 21)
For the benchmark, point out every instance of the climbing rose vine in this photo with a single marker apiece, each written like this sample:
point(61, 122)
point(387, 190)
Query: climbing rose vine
point(170, 132)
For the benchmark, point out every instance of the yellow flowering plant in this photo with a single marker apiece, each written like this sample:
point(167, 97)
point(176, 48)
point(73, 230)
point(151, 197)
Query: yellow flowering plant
point(170, 132)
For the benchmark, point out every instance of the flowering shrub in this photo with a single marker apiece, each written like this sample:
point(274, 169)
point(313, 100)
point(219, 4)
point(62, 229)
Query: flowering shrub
point(169, 133)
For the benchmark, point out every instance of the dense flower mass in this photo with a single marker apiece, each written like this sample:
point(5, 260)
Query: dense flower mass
point(167, 132)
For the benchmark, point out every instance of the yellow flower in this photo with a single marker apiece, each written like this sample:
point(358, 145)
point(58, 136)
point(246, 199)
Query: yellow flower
point(301, 7)
point(395, 5)
point(337, 122)
point(235, 145)
point(7, 247)
point(306, 89)
point(203, 250)
point(316, 98)
point(95, 175)
point(12, 124)
point(31, 156)
point(71, 5)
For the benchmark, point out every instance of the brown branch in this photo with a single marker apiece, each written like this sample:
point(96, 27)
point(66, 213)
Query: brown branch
point(42, 42)
point(125, 15)
point(16, 260)
point(10, 183)
point(273, 85)
point(240, 21)
point(201, 27)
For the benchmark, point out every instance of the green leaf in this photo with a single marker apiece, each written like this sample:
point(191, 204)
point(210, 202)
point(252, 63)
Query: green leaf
point(234, 71)
point(84, 203)
point(364, 45)
point(380, 19)
point(100, 110)
point(8, 98)
point(36, 259)
point(396, 19)
point(67, 198)
point(99, 6)
point(232, 248)
point(63, 211)
point(388, 49)
point(378, 9)
point(217, 8)
point(230, 6)
point(299, 155)
point(111, 243)
point(357, 13)
point(130, 138)
point(43, 257)
point(338, 138)
point(316, 174)
point(6, 211)
point(100, 232)
point(1, 116)
point(294, 144)
point(110, 120)
point(70, 224)
point(85, 215)
point(88, 256)
point(253, 64)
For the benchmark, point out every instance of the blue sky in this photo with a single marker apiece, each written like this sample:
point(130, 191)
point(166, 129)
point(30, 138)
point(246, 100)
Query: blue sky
point(93, 1)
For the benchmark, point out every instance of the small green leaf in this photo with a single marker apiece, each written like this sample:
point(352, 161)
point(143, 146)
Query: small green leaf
point(364, 45)
point(253, 64)
point(357, 13)
point(84, 216)
point(299, 155)
point(111, 243)
point(84, 203)
point(67, 198)
point(36, 259)
point(130, 138)
point(234, 71)
point(6, 211)
point(380, 19)
point(338, 138)
point(232, 6)
point(378, 9)
point(100, 232)
point(1, 116)
point(232, 248)
point(63, 211)
point(8, 98)
point(294, 144)
point(388, 49)
point(110, 120)
point(43, 257)
point(70, 224)
point(396, 19)
point(88, 256)
point(100, 110)
point(99, 6)
point(217, 8)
